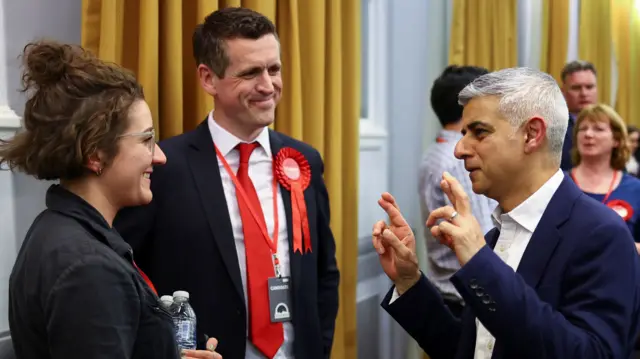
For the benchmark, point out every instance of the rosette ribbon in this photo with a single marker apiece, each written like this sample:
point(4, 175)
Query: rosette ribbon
point(623, 208)
point(293, 172)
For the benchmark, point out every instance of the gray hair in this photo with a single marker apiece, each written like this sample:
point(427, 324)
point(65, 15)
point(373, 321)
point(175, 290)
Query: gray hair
point(525, 93)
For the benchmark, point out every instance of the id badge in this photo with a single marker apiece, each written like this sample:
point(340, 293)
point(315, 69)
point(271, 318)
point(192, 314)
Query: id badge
point(280, 299)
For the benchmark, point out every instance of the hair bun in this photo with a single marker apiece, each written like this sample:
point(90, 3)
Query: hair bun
point(47, 62)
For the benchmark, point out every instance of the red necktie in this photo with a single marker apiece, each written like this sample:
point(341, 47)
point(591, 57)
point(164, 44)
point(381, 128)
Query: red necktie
point(264, 334)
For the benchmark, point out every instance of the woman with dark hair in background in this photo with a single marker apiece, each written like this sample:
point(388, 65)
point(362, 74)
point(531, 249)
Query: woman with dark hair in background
point(75, 291)
point(633, 165)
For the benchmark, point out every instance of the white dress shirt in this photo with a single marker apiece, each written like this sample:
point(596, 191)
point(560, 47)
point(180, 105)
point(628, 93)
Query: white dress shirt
point(516, 229)
point(261, 174)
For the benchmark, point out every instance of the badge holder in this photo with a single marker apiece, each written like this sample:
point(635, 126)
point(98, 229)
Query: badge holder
point(279, 295)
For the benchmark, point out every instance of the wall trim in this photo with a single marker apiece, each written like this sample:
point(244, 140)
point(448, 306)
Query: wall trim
point(370, 129)
point(9, 124)
point(370, 288)
point(9, 120)
point(6, 346)
point(378, 67)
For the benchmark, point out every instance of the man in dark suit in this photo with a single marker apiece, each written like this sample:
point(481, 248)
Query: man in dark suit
point(557, 278)
point(580, 89)
point(222, 225)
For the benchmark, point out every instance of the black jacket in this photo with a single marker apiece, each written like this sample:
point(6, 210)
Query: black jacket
point(74, 293)
point(566, 164)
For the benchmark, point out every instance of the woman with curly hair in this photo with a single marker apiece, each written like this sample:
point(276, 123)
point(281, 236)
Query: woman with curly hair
point(75, 291)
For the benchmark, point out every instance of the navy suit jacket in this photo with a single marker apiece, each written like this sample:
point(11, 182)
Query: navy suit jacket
point(183, 240)
point(575, 293)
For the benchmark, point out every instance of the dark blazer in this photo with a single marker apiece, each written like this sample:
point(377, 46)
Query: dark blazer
point(575, 294)
point(566, 164)
point(74, 292)
point(184, 240)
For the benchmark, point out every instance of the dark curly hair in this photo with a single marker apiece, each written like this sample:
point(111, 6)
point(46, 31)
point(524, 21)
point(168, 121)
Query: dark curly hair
point(77, 105)
point(209, 47)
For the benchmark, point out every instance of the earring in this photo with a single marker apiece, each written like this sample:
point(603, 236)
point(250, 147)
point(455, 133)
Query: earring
point(99, 171)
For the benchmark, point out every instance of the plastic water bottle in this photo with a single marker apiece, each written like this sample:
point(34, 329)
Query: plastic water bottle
point(166, 301)
point(184, 320)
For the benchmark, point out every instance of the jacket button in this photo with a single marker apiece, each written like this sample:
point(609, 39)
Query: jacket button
point(473, 284)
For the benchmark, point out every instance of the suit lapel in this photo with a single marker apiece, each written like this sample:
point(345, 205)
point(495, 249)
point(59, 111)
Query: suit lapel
point(205, 170)
point(295, 260)
point(492, 237)
point(546, 236)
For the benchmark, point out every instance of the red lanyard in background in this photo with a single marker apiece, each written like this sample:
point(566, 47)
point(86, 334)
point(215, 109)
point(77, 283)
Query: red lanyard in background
point(606, 196)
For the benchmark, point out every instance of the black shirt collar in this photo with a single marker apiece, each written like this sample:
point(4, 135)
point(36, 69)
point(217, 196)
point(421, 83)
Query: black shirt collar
point(63, 201)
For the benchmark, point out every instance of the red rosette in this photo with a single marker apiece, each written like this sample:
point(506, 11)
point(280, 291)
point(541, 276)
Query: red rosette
point(293, 172)
point(623, 208)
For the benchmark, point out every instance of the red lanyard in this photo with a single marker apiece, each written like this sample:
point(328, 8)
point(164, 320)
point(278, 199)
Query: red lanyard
point(606, 196)
point(146, 279)
point(273, 244)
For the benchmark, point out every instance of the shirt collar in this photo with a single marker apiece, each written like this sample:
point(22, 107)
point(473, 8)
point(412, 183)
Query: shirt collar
point(529, 212)
point(67, 203)
point(225, 141)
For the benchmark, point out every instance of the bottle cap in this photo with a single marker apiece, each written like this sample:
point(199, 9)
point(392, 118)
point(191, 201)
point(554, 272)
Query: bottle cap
point(181, 293)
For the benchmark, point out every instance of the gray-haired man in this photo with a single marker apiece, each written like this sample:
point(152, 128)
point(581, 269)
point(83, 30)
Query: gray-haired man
point(558, 277)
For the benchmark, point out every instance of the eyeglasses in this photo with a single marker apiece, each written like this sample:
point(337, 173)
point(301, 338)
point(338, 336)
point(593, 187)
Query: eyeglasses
point(150, 141)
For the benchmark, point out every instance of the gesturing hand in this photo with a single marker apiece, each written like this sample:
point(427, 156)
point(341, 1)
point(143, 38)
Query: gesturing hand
point(396, 246)
point(459, 229)
point(210, 353)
